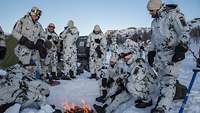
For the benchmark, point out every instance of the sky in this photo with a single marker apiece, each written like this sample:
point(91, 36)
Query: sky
point(109, 14)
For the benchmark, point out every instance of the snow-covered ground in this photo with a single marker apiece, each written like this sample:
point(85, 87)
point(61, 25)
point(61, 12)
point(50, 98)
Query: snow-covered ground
point(82, 88)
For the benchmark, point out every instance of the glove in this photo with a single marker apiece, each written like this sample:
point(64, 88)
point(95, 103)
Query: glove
point(198, 62)
point(98, 51)
point(180, 51)
point(142, 48)
point(48, 44)
point(55, 42)
point(26, 42)
point(49, 37)
point(97, 41)
point(41, 48)
point(61, 45)
point(151, 55)
point(39, 44)
point(2, 52)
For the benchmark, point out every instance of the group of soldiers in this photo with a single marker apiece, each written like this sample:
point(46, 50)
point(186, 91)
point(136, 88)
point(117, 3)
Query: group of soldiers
point(43, 49)
point(129, 74)
point(138, 75)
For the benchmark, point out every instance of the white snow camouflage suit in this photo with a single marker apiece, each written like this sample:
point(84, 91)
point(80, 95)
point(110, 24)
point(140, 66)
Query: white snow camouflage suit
point(51, 60)
point(33, 31)
point(168, 30)
point(97, 44)
point(69, 37)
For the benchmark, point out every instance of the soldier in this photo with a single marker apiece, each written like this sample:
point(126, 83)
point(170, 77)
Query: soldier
point(2, 44)
point(69, 37)
point(118, 92)
point(97, 44)
point(51, 60)
point(169, 40)
point(31, 47)
point(133, 81)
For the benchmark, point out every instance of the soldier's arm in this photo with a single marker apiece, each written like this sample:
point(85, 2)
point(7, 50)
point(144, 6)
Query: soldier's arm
point(181, 28)
point(17, 30)
point(104, 45)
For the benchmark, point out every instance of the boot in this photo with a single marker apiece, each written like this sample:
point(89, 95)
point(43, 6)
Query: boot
point(99, 109)
point(142, 103)
point(65, 77)
point(93, 76)
point(102, 98)
point(158, 110)
point(181, 91)
point(71, 74)
point(54, 76)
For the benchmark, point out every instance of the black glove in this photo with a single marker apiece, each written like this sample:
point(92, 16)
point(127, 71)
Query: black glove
point(39, 44)
point(49, 37)
point(198, 62)
point(2, 52)
point(41, 48)
point(142, 48)
point(48, 44)
point(26, 42)
point(55, 42)
point(98, 51)
point(97, 41)
point(61, 45)
point(180, 51)
point(151, 55)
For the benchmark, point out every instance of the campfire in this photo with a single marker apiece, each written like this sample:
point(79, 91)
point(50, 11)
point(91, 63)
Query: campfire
point(71, 108)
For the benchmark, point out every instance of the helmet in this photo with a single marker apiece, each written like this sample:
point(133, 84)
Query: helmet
point(36, 11)
point(51, 25)
point(154, 4)
point(70, 23)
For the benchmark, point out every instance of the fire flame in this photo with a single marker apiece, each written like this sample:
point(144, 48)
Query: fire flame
point(71, 108)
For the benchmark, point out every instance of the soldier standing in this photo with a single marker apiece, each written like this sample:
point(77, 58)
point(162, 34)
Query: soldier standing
point(69, 37)
point(169, 40)
point(97, 44)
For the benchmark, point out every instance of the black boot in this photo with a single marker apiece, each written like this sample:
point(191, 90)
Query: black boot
point(54, 76)
point(158, 110)
point(181, 91)
point(94, 76)
point(142, 103)
point(71, 74)
point(102, 98)
point(99, 109)
point(65, 77)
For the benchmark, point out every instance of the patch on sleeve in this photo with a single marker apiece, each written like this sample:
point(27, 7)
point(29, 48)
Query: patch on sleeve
point(182, 20)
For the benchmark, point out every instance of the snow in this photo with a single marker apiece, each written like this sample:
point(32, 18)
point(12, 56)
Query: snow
point(82, 88)
point(74, 92)
point(13, 109)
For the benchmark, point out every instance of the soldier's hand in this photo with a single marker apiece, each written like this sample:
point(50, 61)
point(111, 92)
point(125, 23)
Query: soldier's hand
point(97, 41)
point(151, 55)
point(48, 44)
point(198, 62)
point(180, 51)
point(98, 51)
point(49, 37)
point(55, 42)
point(26, 42)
